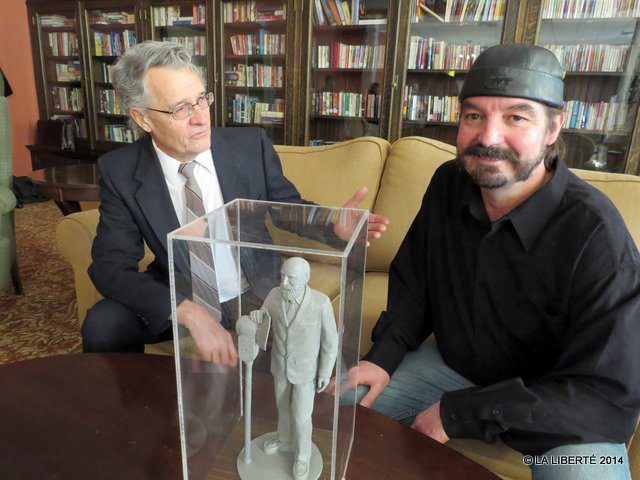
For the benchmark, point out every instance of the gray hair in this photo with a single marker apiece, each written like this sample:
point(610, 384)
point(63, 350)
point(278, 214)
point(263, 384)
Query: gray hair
point(130, 71)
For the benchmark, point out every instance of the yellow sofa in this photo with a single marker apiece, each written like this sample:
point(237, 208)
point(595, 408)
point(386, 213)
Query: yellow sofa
point(397, 176)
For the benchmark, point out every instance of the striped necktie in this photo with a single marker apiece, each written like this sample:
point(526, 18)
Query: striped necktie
point(203, 273)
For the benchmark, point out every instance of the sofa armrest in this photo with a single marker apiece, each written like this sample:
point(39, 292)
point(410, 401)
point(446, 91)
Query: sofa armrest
point(75, 234)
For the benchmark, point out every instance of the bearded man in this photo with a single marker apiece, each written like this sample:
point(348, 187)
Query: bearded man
point(529, 281)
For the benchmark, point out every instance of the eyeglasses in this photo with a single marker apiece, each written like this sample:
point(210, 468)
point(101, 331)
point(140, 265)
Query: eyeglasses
point(185, 110)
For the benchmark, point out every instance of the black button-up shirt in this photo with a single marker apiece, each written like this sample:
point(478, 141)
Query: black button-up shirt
point(540, 309)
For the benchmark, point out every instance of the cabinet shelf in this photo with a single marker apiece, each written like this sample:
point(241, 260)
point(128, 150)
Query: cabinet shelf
point(264, 125)
point(254, 56)
point(253, 89)
point(341, 117)
point(110, 27)
point(75, 113)
point(112, 115)
point(253, 25)
point(347, 70)
point(350, 28)
point(61, 58)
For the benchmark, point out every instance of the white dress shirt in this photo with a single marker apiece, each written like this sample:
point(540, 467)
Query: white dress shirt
point(205, 173)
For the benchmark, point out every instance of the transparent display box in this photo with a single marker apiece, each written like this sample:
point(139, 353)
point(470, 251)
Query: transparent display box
point(228, 262)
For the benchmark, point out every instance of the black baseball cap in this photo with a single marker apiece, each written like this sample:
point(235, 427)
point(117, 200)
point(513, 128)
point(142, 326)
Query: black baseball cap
point(516, 70)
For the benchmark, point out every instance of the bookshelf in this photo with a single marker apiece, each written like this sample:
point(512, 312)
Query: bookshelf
point(347, 59)
point(254, 46)
point(59, 69)
point(313, 72)
point(443, 40)
point(111, 30)
point(597, 46)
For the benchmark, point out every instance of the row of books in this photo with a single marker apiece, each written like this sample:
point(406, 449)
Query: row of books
point(179, 15)
point(107, 71)
point(109, 102)
point(590, 9)
point(120, 133)
point(431, 108)
point(56, 20)
point(600, 116)
point(78, 128)
point(252, 11)
point(459, 11)
point(427, 54)
point(113, 43)
point(346, 104)
point(196, 45)
point(591, 58)
point(68, 72)
point(347, 12)
point(264, 43)
point(250, 109)
point(64, 44)
point(97, 17)
point(342, 55)
point(67, 99)
point(256, 75)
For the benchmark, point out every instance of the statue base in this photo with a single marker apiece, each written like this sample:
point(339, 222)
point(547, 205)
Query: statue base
point(277, 466)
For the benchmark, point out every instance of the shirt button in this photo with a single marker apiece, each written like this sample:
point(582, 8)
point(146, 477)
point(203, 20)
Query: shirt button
point(481, 286)
point(453, 417)
point(496, 412)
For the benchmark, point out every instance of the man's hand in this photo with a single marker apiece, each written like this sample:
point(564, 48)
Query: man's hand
point(430, 423)
point(213, 341)
point(256, 316)
point(344, 226)
point(366, 373)
point(321, 384)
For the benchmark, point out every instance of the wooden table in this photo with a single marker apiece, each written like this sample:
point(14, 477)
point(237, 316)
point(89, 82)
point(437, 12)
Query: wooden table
point(106, 416)
point(68, 185)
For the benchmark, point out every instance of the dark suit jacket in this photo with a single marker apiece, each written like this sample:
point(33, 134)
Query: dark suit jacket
point(136, 206)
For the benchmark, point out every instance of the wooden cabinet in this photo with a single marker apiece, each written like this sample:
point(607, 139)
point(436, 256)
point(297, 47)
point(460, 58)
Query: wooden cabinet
point(346, 60)
point(58, 65)
point(597, 46)
point(109, 30)
point(312, 72)
point(254, 80)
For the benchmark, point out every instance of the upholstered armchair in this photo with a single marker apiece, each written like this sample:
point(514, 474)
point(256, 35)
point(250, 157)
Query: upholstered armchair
point(8, 263)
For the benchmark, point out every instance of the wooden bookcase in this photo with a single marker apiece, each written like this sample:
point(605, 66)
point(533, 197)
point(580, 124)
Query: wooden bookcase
point(319, 71)
point(254, 83)
point(109, 29)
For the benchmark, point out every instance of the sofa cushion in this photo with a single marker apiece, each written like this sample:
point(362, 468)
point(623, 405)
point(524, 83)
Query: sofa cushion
point(624, 192)
point(330, 175)
point(407, 173)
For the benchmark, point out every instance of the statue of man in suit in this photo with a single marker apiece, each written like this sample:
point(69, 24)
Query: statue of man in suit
point(303, 353)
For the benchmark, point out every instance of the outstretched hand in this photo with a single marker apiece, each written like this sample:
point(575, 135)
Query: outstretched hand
point(346, 224)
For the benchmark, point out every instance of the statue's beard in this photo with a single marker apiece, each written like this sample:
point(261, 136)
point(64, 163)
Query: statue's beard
point(292, 294)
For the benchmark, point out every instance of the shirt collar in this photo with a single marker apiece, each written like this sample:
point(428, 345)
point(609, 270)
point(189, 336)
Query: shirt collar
point(170, 165)
point(528, 218)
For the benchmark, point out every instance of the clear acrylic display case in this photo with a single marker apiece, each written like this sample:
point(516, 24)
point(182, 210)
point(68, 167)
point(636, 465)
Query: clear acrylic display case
point(254, 237)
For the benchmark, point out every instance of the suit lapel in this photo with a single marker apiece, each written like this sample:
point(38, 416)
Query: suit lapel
point(303, 305)
point(153, 195)
point(233, 180)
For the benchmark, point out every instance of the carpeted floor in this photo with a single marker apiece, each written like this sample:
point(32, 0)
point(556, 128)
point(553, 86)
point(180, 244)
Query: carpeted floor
point(42, 321)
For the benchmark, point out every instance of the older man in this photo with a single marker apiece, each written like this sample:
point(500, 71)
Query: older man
point(529, 281)
point(180, 169)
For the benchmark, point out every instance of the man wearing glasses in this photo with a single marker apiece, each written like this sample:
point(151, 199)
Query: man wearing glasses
point(145, 190)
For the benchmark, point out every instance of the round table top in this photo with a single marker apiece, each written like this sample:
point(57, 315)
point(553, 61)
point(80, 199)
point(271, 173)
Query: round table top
point(106, 416)
point(81, 175)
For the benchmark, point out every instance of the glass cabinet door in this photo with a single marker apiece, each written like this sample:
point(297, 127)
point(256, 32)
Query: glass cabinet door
point(254, 63)
point(61, 87)
point(444, 39)
point(348, 48)
point(184, 23)
point(597, 44)
point(111, 30)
